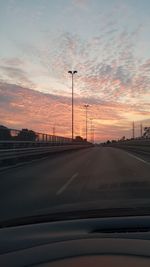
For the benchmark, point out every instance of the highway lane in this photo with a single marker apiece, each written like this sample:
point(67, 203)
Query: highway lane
point(95, 177)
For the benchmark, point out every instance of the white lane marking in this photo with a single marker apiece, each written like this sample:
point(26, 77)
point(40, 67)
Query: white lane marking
point(64, 187)
point(142, 160)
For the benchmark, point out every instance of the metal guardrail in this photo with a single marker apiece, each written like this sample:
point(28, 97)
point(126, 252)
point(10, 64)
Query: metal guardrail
point(29, 135)
point(137, 142)
point(7, 154)
point(17, 145)
point(26, 144)
point(138, 146)
point(12, 138)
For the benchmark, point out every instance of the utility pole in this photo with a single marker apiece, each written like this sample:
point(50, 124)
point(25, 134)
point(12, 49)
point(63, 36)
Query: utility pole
point(86, 107)
point(93, 134)
point(133, 130)
point(72, 75)
point(91, 130)
point(141, 129)
point(53, 130)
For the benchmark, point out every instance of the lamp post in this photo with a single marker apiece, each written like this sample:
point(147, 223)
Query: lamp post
point(93, 134)
point(133, 130)
point(72, 75)
point(86, 107)
point(91, 119)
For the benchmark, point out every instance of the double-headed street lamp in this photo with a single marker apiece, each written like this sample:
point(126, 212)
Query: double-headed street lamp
point(72, 75)
point(86, 107)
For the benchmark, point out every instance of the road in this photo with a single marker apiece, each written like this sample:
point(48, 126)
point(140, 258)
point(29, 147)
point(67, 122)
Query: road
point(95, 177)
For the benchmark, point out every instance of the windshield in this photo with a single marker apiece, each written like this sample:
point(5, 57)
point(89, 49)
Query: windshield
point(74, 107)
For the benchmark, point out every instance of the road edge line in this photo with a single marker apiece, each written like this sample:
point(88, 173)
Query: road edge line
point(142, 160)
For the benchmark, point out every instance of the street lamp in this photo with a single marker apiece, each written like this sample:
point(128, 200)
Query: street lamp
point(92, 130)
point(91, 119)
point(86, 107)
point(72, 75)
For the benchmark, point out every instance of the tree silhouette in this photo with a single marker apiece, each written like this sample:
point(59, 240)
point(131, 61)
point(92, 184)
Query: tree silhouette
point(26, 135)
point(4, 133)
point(79, 139)
point(146, 132)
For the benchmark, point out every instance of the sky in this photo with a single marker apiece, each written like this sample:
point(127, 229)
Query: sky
point(107, 42)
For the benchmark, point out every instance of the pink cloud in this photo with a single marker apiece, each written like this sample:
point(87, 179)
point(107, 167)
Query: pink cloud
point(22, 107)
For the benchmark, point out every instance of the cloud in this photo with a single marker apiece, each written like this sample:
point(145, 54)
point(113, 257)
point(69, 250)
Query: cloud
point(12, 70)
point(111, 78)
point(16, 73)
point(105, 70)
point(107, 63)
point(12, 61)
point(26, 108)
point(80, 3)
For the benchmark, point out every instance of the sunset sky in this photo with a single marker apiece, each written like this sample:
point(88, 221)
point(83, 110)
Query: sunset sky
point(106, 41)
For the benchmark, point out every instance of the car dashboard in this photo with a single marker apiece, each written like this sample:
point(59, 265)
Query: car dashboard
point(118, 241)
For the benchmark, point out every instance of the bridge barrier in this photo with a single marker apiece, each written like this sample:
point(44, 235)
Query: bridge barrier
point(13, 156)
point(137, 146)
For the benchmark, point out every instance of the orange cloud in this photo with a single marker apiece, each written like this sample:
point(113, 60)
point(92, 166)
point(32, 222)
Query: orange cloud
point(25, 108)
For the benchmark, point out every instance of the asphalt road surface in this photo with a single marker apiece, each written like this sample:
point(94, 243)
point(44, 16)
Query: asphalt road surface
point(95, 177)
